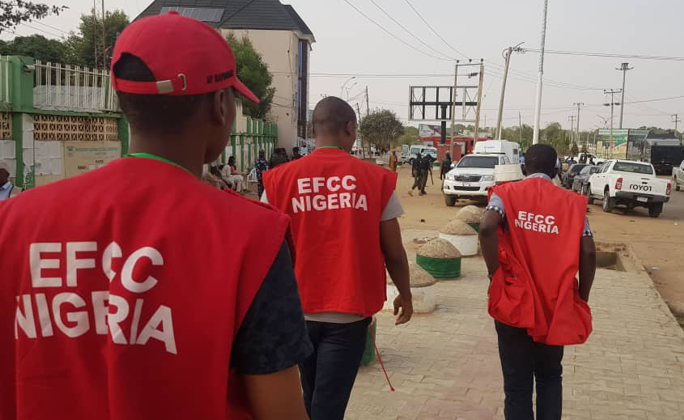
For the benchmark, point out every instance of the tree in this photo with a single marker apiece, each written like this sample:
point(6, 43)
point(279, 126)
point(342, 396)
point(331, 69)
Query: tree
point(574, 150)
point(36, 46)
point(15, 12)
point(410, 136)
point(253, 72)
point(82, 46)
point(381, 129)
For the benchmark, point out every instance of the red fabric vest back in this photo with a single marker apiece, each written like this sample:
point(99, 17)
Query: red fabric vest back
point(128, 284)
point(335, 201)
point(536, 287)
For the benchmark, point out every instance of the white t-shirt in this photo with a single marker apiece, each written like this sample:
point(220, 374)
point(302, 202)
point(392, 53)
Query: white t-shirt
point(392, 210)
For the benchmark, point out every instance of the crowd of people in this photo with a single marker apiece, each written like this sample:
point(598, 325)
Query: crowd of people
point(115, 305)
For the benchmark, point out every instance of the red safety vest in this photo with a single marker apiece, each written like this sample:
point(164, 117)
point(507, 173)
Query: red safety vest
point(122, 291)
point(535, 286)
point(335, 201)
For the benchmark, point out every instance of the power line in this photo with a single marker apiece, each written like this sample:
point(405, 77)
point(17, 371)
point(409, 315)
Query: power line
point(42, 30)
point(407, 30)
point(609, 55)
point(391, 34)
point(434, 31)
point(49, 26)
point(227, 18)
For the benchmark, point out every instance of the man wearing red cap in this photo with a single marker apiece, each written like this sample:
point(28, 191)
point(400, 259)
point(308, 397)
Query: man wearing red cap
point(118, 299)
point(344, 218)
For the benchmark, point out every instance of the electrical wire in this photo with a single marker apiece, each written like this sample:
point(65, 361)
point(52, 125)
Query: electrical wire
point(227, 18)
point(608, 55)
point(434, 31)
point(49, 26)
point(391, 34)
point(42, 30)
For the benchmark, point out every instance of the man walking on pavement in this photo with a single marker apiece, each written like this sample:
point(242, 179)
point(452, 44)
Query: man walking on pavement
point(425, 168)
point(123, 303)
point(537, 303)
point(344, 218)
point(445, 167)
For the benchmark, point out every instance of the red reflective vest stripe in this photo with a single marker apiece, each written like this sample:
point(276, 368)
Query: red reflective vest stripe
point(535, 287)
point(335, 201)
point(128, 285)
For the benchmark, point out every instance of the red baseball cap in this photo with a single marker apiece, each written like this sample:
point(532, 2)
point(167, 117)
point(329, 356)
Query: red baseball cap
point(186, 56)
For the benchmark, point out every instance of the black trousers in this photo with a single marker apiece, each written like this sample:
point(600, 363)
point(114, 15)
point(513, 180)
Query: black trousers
point(328, 375)
point(525, 362)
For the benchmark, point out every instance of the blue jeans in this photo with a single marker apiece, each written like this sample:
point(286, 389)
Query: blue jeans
point(523, 361)
point(328, 375)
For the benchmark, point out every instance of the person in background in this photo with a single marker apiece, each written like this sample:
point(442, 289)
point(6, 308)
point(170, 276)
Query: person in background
point(260, 166)
point(278, 158)
point(7, 189)
point(393, 161)
point(344, 220)
point(295, 153)
point(232, 176)
point(446, 166)
point(416, 173)
point(536, 302)
point(214, 178)
point(149, 327)
point(425, 170)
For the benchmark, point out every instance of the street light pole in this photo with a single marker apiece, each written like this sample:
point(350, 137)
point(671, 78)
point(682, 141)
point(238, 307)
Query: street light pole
point(624, 68)
point(537, 109)
point(507, 56)
point(345, 84)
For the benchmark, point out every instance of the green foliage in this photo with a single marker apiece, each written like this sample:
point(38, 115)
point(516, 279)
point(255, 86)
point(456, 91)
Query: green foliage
point(14, 12)
point(410, 136)
point(82, 46)
point(514, 134)
point(574, 150)
point(36, 46)
point(381, 129)
point(554, 135)
point(253, 72)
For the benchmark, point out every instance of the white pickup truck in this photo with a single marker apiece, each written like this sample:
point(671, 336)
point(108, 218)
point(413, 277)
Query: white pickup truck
point(678, 176)
point(471, 178)
point(631, 184)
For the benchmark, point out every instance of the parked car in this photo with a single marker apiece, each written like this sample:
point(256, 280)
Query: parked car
point(472, 177)
point(571, 173)
point(631, 184)
point(581, 180)
point(678, 176)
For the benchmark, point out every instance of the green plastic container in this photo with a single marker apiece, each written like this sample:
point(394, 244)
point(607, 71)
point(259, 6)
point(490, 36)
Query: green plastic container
point(441, 268)
point(369, 352)
point(475, 226)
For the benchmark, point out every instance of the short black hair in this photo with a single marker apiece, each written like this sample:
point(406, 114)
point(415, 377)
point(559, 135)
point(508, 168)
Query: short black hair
point(295, 150)
point(154, 113)
point(541, 158)
point(332, 115)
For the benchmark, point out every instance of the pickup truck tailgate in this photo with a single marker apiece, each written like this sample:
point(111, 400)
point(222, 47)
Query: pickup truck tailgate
point(646, 185)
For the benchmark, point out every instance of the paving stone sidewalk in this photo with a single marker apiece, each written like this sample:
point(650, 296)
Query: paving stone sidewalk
point(445, 365)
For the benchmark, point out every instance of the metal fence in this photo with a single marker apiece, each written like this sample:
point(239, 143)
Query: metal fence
point(64, 87)
point(4, 79)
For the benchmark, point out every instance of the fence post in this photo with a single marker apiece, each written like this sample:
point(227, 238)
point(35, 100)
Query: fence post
point(21, 92)
point(242, 143)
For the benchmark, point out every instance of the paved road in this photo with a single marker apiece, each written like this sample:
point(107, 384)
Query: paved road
point(445, 365)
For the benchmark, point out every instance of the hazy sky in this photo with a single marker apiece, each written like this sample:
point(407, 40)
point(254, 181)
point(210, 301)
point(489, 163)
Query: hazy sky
point(348, 43)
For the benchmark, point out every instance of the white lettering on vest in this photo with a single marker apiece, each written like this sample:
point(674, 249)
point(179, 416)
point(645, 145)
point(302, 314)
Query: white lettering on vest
point(111, 314)
point(322, 194)
point(536, 223)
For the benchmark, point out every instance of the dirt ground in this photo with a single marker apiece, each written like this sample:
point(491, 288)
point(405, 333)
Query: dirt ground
point(659, 243)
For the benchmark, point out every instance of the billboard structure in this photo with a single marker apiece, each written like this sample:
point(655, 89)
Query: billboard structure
point(457, 103)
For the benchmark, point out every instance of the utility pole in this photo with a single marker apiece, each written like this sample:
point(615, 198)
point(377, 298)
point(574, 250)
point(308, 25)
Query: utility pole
point(507, 57)
point(367, 102)
point(612, 104)
point(519, 128)
point(453, 107)
point(537, 108)
point(95, 55)
point(624, 68)
point(104, 40)
point(676, 121)
point(579, 105)
point(571, 118)
point(476, 135)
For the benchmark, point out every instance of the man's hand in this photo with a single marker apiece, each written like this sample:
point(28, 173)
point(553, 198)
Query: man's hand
point(403, 309)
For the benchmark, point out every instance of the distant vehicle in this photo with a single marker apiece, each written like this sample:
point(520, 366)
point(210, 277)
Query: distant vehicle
point(472, 177)
point(569, 175)
point(663, 154)
point(408, 153)
point(678, 176)
point(581, 180)
point(628, 183)
point(507, 148)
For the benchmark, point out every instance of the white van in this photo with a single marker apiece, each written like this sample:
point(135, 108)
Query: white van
point(507, 148)
point(408, 153)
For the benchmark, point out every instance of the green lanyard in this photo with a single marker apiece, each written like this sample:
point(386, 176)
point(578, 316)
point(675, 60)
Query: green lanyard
point(155, 157)
point(329, 147)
